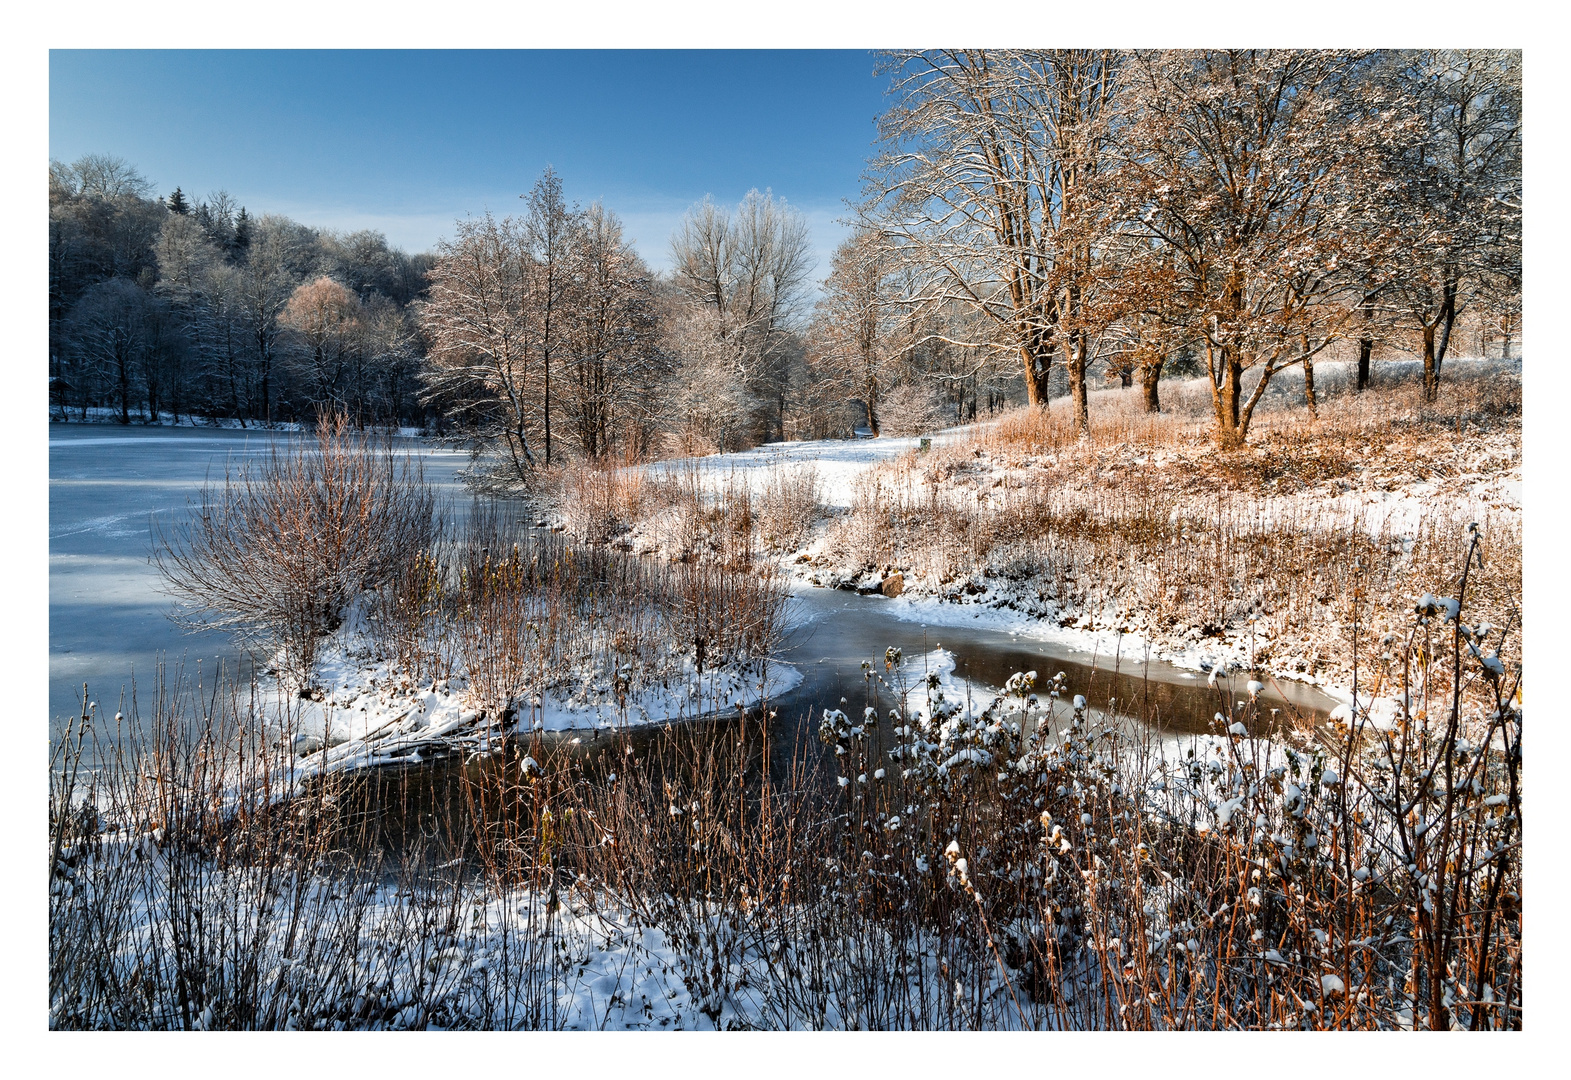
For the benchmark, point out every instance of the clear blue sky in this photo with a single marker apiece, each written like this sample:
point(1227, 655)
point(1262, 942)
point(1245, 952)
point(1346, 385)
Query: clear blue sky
point(405, 142)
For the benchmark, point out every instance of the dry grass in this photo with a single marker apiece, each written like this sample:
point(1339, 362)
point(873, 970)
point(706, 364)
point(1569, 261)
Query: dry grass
point(684, 513)
point(518, 613)
point(1145, 527)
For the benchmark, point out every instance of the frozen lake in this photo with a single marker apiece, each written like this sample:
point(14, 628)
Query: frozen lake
point(107, 616)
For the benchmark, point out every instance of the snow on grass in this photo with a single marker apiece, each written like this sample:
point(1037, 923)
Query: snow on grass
point(368, 714)
point(839, 462)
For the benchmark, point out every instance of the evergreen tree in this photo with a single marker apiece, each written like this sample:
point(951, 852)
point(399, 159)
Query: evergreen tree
point(242, 237)
point(178, 203)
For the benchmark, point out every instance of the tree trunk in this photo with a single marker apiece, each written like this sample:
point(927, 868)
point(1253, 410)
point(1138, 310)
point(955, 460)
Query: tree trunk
point(123, 363)
point(1150, 376)
point(1126, 378)
point(1431, 367)
point(1037, 360)
point(872, 407)
point(1077, 386)
point(1447, 321)
point(1366, 345)
point(1225, 394)
point(1309, 380)
point(267, 401)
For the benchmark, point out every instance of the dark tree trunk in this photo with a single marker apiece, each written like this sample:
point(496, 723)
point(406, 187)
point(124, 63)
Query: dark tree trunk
point(1366, 346)
point(1150, 376)
point(1431, 365)
point(1077, 386)
point(1037, 358)
point(1309, 380)
point(123, 364)
point(1447, 321)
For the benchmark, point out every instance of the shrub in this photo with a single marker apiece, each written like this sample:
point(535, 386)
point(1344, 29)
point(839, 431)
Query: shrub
point(277, 552)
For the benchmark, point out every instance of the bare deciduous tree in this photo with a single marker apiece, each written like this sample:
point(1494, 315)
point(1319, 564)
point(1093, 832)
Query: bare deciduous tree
point(1237, 175)
point(327, 321)
point(611, 339)
point(1456, 193)
point(982, 185)
point(479, 323)
point(851, 354)
point(743, 279)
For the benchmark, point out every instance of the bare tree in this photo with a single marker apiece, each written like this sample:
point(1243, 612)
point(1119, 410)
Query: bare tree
point(743, 277)
point(548, 230)
point(982, 184)
point(1237, 176)
point(109, 331)
point(277, 259)
point(1456, 195)
point(327, 322)
point(852, 354)
point(480, 325)
point(611, 339)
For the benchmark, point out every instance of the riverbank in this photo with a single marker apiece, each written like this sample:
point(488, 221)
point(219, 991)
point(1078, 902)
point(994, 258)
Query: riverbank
point(1296, 557)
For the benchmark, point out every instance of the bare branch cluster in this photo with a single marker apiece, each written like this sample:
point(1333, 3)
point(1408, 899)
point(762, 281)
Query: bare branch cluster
point(279, 550)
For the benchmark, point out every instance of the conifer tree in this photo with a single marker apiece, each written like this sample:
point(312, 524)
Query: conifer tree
point(242, 236)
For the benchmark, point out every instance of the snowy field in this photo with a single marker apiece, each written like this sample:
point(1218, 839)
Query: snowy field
point(839, 462)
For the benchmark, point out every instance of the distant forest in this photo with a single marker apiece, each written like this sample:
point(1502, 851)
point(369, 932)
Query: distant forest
point(194, 307)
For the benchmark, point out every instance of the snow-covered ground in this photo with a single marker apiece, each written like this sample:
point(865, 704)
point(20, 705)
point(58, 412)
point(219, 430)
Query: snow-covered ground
point(839, 462)
point(1387, 481)
point(366, 713)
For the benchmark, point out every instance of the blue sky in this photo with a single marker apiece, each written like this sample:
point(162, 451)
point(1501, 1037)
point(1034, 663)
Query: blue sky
point(406, 142)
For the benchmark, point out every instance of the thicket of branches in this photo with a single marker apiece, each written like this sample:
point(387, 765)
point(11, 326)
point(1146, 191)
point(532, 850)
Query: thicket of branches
point(278, 552)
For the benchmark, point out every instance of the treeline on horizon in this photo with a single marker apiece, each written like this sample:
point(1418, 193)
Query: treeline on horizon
point(1030, 221)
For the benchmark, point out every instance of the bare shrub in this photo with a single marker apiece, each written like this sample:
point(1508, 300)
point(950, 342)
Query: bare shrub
point(277, 552)
point(789, 506)
point(912, 408)
point(597, 499)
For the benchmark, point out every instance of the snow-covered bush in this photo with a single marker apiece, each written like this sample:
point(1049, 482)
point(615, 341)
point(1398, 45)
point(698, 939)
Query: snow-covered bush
point(279, 550)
